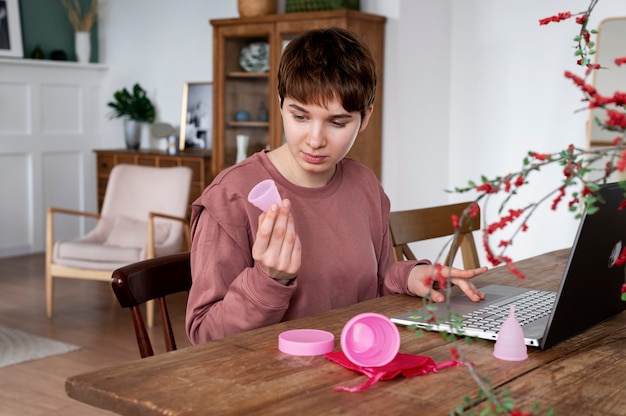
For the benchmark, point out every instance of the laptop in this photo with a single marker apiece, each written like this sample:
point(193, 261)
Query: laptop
point(589, 292)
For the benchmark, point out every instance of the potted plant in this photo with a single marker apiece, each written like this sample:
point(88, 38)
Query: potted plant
point(135, 108)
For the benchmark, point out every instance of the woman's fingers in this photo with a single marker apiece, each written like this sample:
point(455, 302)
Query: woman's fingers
point(277, 248)
point(422, 276)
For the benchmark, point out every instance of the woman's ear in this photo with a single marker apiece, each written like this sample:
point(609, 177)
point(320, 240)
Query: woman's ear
point(366, 118)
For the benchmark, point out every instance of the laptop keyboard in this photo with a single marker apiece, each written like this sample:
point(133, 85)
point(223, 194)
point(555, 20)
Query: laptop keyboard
point(529, 307)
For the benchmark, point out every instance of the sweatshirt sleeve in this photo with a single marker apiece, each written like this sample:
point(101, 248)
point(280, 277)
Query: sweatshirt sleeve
point(228, 294)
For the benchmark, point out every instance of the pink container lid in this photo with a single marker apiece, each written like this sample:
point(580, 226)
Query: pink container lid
point(370, 340)
point(306, 342)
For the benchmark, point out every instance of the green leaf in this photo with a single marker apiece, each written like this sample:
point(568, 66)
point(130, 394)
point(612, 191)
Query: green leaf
point(137, 106)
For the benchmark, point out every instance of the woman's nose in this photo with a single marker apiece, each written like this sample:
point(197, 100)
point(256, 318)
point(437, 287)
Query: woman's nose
point(315, 138)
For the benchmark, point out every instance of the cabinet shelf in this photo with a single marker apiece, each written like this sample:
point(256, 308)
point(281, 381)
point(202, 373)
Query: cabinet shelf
point(242, 74)
point(250, 124)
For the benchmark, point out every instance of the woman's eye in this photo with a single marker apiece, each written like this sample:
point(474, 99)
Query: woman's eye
point(299, 117)
point(338, 124)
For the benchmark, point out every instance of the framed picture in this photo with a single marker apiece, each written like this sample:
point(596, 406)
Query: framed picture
point(10, 29)
point(196, 121)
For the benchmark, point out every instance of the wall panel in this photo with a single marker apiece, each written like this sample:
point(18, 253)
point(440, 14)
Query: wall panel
point(16, 233)
point(50, 123)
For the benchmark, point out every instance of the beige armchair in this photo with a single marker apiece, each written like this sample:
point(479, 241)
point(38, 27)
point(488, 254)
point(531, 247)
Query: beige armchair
point(143, 216)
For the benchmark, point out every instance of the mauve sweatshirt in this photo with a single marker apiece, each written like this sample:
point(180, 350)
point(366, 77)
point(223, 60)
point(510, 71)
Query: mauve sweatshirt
point(347, 254)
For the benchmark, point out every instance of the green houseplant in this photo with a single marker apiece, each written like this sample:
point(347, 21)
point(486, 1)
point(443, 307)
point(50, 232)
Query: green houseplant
point(134, 107)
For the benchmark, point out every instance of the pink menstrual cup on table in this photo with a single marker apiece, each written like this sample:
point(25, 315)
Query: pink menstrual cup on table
point(510, 344)
point(264, 194)
point(370, 340)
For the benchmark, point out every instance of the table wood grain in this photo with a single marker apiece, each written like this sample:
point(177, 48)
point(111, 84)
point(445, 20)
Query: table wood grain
point(247, 374)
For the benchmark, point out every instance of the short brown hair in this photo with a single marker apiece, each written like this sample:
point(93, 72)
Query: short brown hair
point(325, 64)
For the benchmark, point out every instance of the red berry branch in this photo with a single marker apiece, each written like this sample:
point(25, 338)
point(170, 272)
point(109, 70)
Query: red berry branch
point(582, 174)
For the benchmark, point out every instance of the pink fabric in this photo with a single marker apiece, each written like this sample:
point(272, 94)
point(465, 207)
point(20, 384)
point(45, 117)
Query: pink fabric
point(406, 364)
point(347, 254)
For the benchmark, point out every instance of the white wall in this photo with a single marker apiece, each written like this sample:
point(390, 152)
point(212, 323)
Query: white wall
point(470, 86)
point(161, 44)
point(509, 95)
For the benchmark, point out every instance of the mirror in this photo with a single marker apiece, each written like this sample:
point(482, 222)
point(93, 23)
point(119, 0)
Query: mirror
point(612, 78)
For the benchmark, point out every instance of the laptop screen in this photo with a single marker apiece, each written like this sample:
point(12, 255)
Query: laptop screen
point(590, 289)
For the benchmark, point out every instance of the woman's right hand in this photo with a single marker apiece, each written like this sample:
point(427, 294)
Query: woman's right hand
point(277, 250)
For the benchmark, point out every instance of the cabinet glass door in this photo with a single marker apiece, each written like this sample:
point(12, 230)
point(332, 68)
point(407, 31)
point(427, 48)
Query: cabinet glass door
point(246, 90)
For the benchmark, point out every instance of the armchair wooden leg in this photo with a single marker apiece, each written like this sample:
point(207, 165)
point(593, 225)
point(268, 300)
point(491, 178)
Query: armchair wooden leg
point(49, 293)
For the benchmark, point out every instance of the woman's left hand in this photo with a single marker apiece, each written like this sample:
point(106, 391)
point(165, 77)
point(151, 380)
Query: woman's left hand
point(422, 274)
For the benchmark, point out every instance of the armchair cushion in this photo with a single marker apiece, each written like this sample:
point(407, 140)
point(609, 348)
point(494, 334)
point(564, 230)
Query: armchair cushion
point(131, 233)
point(87, 255)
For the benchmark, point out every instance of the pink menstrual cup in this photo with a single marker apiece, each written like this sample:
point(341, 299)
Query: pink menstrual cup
point(370, 340)
point(510, 344)
point(264, 194)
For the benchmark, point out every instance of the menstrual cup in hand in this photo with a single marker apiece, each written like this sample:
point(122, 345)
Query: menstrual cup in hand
point(264, 194)
point(510, 344)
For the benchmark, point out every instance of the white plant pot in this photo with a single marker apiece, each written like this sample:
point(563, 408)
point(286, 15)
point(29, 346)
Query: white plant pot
point(82, 47)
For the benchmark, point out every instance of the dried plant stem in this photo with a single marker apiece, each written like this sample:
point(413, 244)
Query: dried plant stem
point(81, 22)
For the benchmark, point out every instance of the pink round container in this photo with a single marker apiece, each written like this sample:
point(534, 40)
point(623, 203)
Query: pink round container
point(370, 340)
point(306, 342)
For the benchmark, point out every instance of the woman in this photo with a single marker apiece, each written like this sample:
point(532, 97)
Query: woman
point(327, 244)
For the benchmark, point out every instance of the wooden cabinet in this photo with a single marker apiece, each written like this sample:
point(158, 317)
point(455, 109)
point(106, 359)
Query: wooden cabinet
point(198, 160)
point(255, 93)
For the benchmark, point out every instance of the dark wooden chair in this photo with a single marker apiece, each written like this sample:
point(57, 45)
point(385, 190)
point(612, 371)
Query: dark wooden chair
point(152, 279)
point(426, 223)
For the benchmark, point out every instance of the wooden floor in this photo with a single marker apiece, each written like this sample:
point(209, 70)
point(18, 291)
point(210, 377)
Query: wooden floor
point(87, 314)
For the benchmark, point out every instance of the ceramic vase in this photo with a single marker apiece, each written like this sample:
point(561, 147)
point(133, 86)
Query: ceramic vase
point(132, 134)
point(82, 47)
point(242, 147)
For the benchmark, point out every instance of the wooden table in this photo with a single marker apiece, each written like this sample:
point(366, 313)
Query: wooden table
point(246, 374)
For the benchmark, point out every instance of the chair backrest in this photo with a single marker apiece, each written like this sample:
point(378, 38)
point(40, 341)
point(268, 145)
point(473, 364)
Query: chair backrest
point(133, 191)
point(152, 279)
point(426, 223)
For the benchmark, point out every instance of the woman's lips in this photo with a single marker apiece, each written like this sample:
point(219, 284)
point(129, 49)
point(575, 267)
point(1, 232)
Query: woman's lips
point(314, 159)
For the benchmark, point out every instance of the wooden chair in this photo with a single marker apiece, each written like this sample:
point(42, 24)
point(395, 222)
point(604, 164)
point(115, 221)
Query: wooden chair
point(426, 223)
point(152, 279)
point(143, 216)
